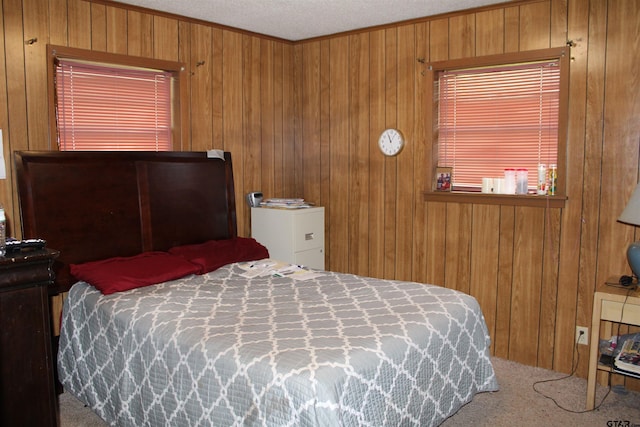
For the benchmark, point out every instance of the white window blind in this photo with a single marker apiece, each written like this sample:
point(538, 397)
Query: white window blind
point(107, 108)
point(493, 118)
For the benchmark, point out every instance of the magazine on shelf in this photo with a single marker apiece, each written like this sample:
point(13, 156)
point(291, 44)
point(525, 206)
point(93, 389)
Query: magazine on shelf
point(629, 357)
point(628, 373)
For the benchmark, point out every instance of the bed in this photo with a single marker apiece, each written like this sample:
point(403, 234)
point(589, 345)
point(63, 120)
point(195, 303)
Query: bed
point(173, 319)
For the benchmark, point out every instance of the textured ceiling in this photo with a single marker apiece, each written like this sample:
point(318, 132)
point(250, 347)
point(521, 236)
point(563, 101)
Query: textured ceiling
point(302, 19)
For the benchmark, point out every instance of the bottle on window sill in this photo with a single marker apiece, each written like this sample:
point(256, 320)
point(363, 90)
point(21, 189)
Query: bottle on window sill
point(522, 181)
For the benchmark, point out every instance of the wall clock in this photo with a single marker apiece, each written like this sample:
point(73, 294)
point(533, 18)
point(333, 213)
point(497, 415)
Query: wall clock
point(391, 142)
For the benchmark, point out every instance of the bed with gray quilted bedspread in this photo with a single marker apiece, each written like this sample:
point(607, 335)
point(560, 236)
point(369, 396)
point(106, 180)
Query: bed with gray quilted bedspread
point(223, 350)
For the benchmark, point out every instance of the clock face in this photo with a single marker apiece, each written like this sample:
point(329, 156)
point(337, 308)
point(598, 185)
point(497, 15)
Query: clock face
point(391, 142)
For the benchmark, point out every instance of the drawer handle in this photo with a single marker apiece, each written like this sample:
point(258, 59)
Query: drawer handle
point(309, 236)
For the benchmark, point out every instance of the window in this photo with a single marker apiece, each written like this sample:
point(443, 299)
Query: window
point(500, 112)
point(105, 102)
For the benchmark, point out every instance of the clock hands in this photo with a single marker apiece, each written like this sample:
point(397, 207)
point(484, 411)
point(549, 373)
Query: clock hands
point(391, 142)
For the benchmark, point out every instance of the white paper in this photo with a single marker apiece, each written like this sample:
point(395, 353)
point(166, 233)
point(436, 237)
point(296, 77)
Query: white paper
point(268, 267)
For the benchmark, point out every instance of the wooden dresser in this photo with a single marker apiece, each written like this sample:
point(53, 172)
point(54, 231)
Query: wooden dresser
point(27, 388)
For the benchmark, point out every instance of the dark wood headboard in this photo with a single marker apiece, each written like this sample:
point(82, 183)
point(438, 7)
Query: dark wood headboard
point(97, 205)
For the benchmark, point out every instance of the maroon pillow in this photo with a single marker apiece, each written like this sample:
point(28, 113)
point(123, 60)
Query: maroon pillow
point(124, 273)
point(213, 254)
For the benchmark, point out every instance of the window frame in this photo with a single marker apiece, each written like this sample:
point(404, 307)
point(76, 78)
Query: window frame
point(177, 69)
point(562, 55)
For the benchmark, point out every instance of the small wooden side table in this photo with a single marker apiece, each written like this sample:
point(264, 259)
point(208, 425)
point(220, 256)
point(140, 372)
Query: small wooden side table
point(615, 304)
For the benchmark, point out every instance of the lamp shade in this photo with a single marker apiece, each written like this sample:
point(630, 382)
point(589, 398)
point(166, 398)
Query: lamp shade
point(631, 213)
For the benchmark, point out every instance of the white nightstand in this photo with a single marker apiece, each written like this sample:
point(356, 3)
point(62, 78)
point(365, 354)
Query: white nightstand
point(291, 235)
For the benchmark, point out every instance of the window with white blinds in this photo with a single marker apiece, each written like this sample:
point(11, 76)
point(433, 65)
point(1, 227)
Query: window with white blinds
point(103, 107)
point(494, 117)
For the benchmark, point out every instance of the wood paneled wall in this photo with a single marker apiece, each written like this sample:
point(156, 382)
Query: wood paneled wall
point(533, 269)
point(302, 119)
point(240, 86)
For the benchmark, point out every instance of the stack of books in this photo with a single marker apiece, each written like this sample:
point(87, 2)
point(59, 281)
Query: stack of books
point(628, 360)
point(285, 203)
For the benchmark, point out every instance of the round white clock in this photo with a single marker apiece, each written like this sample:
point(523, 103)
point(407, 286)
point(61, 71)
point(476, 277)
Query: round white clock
point(391, 142)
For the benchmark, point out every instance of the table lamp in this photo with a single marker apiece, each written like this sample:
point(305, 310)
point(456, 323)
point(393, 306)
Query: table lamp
point(631, 215)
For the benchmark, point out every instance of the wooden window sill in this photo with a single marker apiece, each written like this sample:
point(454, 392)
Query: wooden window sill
point(495, 199)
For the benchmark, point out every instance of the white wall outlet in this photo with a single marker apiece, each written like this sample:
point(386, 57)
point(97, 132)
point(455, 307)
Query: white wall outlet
point(584, 338)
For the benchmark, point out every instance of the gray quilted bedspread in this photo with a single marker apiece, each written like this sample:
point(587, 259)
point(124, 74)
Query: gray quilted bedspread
point(223, 350)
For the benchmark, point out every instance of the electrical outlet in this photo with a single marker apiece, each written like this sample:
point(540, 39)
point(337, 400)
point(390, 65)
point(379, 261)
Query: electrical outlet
point(584, 338)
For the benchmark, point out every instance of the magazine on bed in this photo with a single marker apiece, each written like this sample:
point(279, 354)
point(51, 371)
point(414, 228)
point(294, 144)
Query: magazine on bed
point(629, 357)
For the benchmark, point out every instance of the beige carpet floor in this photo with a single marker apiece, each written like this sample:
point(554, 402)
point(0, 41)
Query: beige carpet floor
point(516, 404)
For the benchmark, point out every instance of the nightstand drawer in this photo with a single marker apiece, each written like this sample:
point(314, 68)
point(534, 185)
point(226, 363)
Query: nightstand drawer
point(613, 312)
